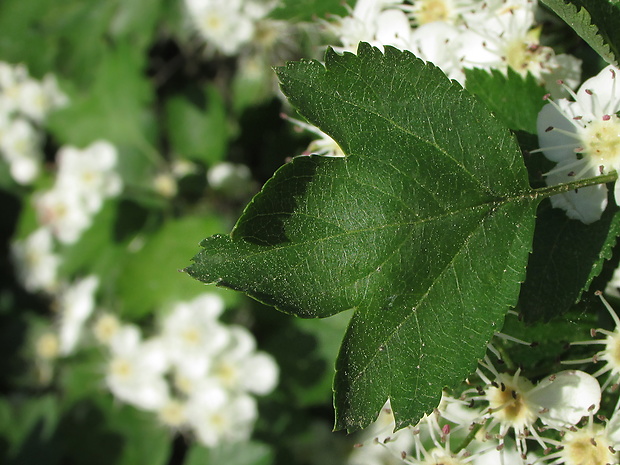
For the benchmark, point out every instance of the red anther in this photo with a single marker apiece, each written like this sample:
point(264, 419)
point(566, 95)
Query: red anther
point(589, 92)
point(606, 117)
point(445, 429)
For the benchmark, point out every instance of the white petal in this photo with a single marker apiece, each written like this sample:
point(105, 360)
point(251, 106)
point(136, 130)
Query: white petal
point(566, 397)
point(586, 204)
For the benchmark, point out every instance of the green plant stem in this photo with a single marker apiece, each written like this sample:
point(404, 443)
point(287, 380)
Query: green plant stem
point(578, 184)
point(469, 438)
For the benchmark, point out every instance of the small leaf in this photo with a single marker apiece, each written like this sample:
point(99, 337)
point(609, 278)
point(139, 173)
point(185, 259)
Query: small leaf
point(596, 21)
point(424, 229)
point(516, 100)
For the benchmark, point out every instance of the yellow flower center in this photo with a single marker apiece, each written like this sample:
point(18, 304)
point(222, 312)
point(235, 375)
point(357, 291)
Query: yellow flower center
point(601, 141)
point(428, 11)
point(587, 447)
point(508, 402)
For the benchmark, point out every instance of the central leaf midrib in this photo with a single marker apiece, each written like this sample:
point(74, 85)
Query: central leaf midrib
point(387, 340)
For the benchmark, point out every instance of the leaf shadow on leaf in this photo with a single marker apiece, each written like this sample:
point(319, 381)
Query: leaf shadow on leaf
point(285, 190)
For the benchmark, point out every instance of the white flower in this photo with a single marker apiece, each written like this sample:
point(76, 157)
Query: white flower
point(36, 262)
point(192, 335)
point(376, 22)
point(234, 179)
point(583, 138)
point(226, 24)
point(19, 145)
point(90, 172)
point(380, 444)
point(106, 327)
point(217, 416)
point(609, 356)
point(64, 213)
point(135, 372)
point(240, 368)
point(559, 401)
point(75, 305)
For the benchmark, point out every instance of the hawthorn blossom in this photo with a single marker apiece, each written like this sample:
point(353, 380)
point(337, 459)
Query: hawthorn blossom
point(135, 371)
point(217, 416)
point(35, 261)
point(62, 211)
point(24, 105)
point(227, 25)
point(240, 368)
point(609, 355)
point(75, 304)
point(583, 137)
point(514, 402)
point(90, 173)
point(379, 22)
point(20, 146)
point(86, 177)
point(192, 336)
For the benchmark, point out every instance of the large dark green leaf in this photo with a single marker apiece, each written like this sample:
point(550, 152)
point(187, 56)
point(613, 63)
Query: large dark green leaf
point(424, 229)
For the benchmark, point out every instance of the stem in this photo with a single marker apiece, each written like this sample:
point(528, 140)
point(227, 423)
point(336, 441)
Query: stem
point(469, 438)
point(548, 191)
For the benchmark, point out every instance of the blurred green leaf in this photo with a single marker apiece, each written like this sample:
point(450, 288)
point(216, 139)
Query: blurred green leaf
point(151, 278)
point(242, 453)
point(27, 424)
point(72, 37)
point(309, 10)
point(197, 125)
point(116, 107)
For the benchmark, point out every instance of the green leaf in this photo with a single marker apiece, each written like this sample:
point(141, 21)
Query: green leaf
point(150, 277)
point(197, 125)
point(424, 229)
point(309, 10)
point(115, 108)
point(596, 21)
point(244, 453)
point(515, 100)
point(563, 264)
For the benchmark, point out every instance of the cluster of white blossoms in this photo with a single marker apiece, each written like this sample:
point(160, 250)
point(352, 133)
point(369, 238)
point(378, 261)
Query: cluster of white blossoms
point(197, 374)
point(582, 136)
point(24, 105)
point(73, 304)
point(84, 180)
point(456, 35)
point(503, 418)
point(460, 34)
point(228, 25)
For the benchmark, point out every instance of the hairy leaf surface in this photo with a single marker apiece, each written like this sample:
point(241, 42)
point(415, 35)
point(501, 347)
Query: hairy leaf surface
point(423, 229)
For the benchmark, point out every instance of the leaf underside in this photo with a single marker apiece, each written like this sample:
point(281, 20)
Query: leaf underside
point(424, 229)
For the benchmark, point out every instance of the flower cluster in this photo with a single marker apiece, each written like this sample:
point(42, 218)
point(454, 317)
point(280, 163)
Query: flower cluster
point(196, 373)
point(504, 418)
point(24, 105)
point(460, 34)
point(456, 35)
point(85, 178)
